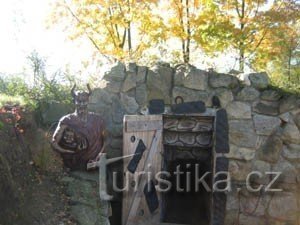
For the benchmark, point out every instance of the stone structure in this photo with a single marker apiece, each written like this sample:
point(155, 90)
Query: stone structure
point(264, 129)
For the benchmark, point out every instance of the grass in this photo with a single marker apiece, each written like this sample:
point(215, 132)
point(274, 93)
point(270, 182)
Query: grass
point(17, 100)
point(6, 99)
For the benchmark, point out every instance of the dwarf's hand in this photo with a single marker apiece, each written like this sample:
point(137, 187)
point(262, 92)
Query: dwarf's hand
point(83, 144)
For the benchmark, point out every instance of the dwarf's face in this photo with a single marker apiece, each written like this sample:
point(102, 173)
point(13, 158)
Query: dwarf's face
point(69, 136)
point(81, 102)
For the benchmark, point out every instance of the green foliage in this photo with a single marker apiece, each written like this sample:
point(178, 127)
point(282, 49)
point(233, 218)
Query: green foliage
point(287, 81)
point(13, 86)
point(45, 88)
point(18, 100)
point(17, 91)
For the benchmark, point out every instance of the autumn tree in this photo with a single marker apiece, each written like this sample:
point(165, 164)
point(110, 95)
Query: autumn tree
point(126, 29)
point(282, 61)
point(254, 25)
point(121, 29)
point(282, 44)
point(193, 22)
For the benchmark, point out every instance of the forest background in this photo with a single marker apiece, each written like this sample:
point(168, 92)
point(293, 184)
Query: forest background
point(224, 35)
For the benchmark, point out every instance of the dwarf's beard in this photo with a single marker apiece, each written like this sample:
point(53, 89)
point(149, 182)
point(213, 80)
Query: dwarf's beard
point(81, 111)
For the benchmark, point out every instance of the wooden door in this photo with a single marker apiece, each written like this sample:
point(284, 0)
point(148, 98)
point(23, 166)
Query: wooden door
point(142, 136)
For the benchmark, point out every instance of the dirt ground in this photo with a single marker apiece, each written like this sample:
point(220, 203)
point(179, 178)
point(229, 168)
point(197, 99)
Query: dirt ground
point(45, 202)
point(31, 191)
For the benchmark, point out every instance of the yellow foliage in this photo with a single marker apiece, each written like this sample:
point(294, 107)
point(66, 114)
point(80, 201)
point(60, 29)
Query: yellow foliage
point(126, 29)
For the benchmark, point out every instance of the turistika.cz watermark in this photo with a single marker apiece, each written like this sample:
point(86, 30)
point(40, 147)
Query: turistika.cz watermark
point(186, 181)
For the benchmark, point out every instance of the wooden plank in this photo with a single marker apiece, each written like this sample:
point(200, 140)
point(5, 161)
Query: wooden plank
point(142, 117)
point(129, 148)
point(137, 197)
point(136, 126)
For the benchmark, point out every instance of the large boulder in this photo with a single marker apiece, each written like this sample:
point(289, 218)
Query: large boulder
point(265, 125)
point(217, 80)
point(100, 96)
point(291, 134)
point(259, 80)
point(248, 94)
point(131, 67)
point(130, 82)
point(116, 73)
point(191, 77)
point(191, 95)
point(111, 86)
point(270, 95)
point(118, 110)
point(285, 117)
point(159, 83)
point(241, 153)
point(238, 110)
point(297, 120)
point(289, 103)
point(141, 74)
point(242, 133)
point(141, 94)
point(265, 107)
point(225, 96)
point(129, 104)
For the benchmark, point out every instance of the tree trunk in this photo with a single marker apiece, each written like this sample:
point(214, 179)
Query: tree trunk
point(242, 58)
point(242, 41)
point(129, 32)
point(289, 65)
point(183, 41)
point(129, 38)
point(188, 41)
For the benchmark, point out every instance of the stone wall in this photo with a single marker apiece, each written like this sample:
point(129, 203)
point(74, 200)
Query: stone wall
point(263, 129)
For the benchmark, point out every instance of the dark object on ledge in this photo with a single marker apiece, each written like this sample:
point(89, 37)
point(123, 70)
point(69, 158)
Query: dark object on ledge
point(156, 106)
point(216, 102)
point(187, 107)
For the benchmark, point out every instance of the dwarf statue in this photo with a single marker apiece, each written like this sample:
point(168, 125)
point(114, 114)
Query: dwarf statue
point(79, 136)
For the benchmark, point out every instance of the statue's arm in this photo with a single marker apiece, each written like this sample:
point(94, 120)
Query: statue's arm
point(57, 136)
point(106, 142)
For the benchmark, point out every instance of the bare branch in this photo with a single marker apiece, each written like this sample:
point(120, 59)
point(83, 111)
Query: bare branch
point(86, 33)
